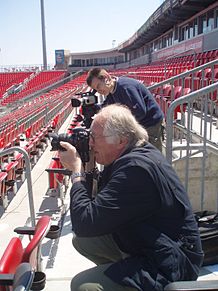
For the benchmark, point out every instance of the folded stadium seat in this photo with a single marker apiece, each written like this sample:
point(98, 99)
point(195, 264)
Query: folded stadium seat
point(20, 134)
point(31, 149)
point(204, 76)
point(204, 57)
point(215, 55)
point(54, 121)
point(10, 169)
point(213, 76)
point(163, 97)
point(37, 137)
point(185, 66)
point(11, 258)
point(209, 56)
point(3, 189)
point(2, 142)
point(174, 94)
point(177, 82)
point(58, 177)
point(28, 132)
point(19, 170)
point(179, 93)
point(156, 91)
point(7, 140)
point(189, 58)
point(196, 83)
point(198, 74)
point(188, 82)
point(208, 73)
point(199, 56)
point(15, 253)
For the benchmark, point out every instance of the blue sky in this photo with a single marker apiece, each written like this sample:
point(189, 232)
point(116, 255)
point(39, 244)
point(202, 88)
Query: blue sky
point(78, 26)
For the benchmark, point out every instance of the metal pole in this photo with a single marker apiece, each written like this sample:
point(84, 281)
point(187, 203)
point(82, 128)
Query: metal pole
point(43, 36)
point(28, 177)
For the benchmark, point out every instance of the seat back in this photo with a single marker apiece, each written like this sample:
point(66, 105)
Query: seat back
point(11, 258)
point(23, 278)
point(32, 252)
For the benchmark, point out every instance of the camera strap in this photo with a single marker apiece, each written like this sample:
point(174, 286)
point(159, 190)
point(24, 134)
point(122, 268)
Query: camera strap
point(95, 182)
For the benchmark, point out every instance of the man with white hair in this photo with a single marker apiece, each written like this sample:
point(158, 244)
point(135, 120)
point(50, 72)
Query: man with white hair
point(139, 229)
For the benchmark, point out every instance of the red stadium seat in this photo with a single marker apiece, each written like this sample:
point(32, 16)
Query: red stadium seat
point(15, 253)
point(11, 258)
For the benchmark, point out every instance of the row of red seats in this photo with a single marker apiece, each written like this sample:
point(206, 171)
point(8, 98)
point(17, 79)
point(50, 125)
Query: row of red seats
point(13, 166)
point(35, 134)
point(166, 94)
point(36, 140)
point(199, 58)
point(9, 122)
point(41, 80)
point(162, 70)
point(9, 79)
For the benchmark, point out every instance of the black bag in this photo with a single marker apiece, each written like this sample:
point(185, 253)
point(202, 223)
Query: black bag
point(208, 227)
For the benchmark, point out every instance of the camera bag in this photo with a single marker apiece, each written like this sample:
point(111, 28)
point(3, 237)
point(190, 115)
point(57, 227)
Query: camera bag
point(208, 227)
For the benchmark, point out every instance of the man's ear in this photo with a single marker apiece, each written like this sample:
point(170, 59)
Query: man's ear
point(123, 140)
point(107, 81)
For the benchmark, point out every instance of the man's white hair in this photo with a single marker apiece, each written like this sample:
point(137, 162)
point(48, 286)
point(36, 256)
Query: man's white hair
point(119, 122)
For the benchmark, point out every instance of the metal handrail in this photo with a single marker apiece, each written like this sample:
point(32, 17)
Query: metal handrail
point(169, 118)
point(28, 177)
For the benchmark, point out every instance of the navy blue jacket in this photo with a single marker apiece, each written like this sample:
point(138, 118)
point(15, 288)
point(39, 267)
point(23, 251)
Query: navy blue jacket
point(143, 204)
point(138, 98)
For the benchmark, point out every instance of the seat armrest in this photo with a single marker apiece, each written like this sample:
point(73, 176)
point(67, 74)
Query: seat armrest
point(54, 231)
point(59, 171)
point(6, 279)
point(25, 230)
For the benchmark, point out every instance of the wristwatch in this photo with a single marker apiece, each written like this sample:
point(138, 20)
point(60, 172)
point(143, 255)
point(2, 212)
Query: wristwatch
point(76, 175)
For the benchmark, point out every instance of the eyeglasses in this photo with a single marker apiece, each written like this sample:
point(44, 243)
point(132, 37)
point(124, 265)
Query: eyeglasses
point(94, 137)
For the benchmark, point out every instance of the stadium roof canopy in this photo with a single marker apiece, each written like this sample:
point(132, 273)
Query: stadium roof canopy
point(170, 13)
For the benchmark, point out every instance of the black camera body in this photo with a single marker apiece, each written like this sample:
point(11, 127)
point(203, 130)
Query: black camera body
point(87, 99)
point(79, 138)
point(89, 105)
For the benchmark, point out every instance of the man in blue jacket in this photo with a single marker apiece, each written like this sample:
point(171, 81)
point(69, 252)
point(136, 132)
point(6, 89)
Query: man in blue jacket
point(133, 94)
point(139, 229)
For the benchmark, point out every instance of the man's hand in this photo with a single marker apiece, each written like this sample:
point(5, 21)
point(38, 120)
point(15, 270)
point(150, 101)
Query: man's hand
point(70, 158)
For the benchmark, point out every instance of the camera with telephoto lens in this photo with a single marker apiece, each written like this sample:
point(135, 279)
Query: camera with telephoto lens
point(79, 138)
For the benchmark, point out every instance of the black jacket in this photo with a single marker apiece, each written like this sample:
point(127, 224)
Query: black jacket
point(144, 205)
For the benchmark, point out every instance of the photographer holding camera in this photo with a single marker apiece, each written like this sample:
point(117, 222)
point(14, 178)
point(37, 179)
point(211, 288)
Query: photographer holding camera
point(139, 229)
point(133, 94)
